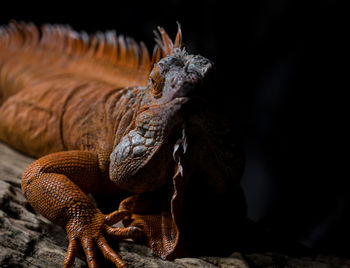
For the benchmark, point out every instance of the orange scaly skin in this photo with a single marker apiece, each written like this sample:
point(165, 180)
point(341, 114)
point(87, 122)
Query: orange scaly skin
point(102, 119)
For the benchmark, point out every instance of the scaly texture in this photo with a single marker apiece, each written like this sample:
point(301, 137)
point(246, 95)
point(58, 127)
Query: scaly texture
point(105, 118)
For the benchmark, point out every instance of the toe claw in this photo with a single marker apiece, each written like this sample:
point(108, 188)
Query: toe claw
point(136, 233)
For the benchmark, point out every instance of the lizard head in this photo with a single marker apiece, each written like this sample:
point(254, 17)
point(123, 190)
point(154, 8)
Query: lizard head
point(140, 161)
point(177, 75)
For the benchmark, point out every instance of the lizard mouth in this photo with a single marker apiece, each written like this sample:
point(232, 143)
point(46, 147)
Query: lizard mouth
point(176, 100)
point(188, 90)
point(172, 101)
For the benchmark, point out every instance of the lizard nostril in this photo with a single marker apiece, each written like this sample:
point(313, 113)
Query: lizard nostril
point(173, 82)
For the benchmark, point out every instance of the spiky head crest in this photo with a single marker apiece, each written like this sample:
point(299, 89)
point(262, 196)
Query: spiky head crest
point(163, 40)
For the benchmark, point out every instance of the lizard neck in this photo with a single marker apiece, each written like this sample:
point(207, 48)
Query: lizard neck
point(112, 118)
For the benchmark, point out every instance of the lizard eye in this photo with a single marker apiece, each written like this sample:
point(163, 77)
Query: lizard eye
point(156, 82)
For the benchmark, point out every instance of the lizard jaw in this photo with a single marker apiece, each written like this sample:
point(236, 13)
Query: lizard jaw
point(143, 145)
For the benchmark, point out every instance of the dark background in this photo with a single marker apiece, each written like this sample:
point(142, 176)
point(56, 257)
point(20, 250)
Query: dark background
point(279, 78)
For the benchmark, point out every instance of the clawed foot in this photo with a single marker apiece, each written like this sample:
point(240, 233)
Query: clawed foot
point(89, 231)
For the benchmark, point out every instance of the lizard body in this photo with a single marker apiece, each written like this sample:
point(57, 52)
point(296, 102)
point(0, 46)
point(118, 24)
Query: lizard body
point(105, 118)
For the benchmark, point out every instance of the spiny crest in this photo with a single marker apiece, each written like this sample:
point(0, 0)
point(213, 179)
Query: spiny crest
point(165, 43)
point(107, 47)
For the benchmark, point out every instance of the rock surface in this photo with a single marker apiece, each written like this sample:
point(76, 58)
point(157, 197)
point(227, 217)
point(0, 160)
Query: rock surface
point(29, 240)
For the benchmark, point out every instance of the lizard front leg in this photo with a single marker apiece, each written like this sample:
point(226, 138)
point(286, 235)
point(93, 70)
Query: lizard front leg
point(56, 186)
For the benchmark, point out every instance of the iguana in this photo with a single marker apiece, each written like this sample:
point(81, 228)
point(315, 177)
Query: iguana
point(102, 116)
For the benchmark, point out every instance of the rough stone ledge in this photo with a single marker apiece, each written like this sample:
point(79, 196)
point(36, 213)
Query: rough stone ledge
point(29, 240)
